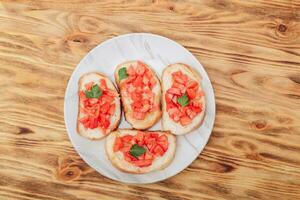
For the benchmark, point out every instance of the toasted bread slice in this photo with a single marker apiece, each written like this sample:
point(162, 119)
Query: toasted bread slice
point(118, 160)
point(97, 133)
point(151, 117)
point(167, 81)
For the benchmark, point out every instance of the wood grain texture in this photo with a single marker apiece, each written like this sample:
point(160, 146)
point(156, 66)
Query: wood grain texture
point(250, 49)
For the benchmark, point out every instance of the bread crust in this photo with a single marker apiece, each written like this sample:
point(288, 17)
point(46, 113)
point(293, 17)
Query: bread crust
point(115, 125)
point(138, 124)
point(140, 171)
point(198, 78)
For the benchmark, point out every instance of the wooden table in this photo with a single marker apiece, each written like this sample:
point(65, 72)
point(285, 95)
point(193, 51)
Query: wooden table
point(250, 49)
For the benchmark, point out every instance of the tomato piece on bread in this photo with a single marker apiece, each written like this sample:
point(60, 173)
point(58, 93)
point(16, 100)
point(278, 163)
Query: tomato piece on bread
point(183, 101)
point(99, 106)
point(135, 151)
point(140, 92)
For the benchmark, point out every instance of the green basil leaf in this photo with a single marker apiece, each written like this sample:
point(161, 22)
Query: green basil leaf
point(122, 73)
point(137, 150)
point(183, 100)
point(94, 92)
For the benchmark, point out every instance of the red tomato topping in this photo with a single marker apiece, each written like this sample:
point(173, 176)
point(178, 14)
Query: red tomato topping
point(118, 144)
point(97, 111)
point(183, 87)
point(138, 87)
point(155, 144)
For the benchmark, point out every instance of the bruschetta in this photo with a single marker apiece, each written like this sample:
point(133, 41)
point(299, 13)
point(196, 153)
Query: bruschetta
point(99, 106)
point(140, 93)
point(140, 152)
point(183, 100)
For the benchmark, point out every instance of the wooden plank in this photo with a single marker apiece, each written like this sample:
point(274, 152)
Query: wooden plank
point(250, 49)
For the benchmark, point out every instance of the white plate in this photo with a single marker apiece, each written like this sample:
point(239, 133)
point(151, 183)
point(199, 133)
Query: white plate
point(158, 52)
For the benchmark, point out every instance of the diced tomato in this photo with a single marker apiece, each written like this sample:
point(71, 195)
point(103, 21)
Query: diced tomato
point(84, 120)
point(101, 118)
point(127, 138)
point(139, 115)
point(130, 79)
point(93, 123)
point(148, 74)
point(130, 88)
point(126, 148)
point(140, 70)
point(132, 158)
point(168, 97)
point(200, 93)
point(118, 144)
point(152, 82)
point(154, 135)
point(93, 101)
point(136, 104)
point(185, 120)
point(175, 91)
point(82, 95)
point(107, 98)
point(106, 123)
point(176, 118)
point(158, 150)
point(130, 71)
point(177, 73)
point(174, 99)
point(140, 63)
point(162, 138)
point(148, 156)
point(174, 111)
point(150, 143)
point(139, 136)
point(191, 93)
point(111, 93)
point(184, 78)
point(105, 108)
point(178, 85)
point(127, 158)
point(189, 111)
point(171, 105)
point(103, 85)
point(142, 163)
point(112, 109)
point(142, 157)
point(191, 84)
point(136, 97)
point(145, 80)
point(138, 82)
point(196, 109)
point(147, 136)
point(88, 86)
point(178, 79)
point(144, 109)
point(196, 104)
point(145, 106)
point(164, 145)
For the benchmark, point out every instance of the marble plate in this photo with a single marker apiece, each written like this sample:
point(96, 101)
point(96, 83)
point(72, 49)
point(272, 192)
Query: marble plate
point(158, 52)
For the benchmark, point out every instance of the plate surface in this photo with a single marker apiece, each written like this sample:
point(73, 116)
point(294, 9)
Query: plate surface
point(158, 52)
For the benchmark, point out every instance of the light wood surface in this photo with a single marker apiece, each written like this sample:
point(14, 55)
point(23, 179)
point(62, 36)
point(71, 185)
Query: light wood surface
point(250, 49)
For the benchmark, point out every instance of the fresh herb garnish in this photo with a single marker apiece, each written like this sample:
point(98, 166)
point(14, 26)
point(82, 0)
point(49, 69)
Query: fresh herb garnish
point(183, 100)
point(94, 92)
point(136, 150)
point(122, 73)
